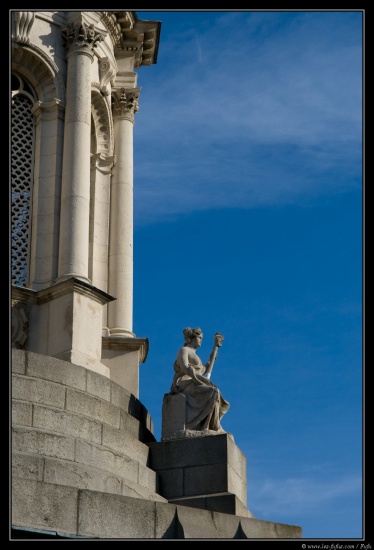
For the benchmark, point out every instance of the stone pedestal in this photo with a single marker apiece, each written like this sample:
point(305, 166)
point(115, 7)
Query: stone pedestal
point(206, 472)
point(173, 415)
point(123, 356)
point(63, 321)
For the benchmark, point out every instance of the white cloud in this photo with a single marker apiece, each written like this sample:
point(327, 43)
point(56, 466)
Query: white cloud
point(298, 495)
point(253, 110)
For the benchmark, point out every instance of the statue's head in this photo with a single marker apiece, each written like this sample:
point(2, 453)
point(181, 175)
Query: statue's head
point(191, 333)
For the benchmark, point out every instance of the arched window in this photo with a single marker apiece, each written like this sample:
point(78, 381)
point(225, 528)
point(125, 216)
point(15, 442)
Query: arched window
point(22, 161)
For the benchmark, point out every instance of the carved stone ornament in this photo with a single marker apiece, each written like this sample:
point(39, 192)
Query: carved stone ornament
point(102, 163)
point(125, 102)
point(23, 21)
point(20, 325)
point(80, 36)
point(106, 74)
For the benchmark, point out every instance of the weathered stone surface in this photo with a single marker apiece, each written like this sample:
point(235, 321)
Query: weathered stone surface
point(93, 407)
point(35, 441)
point(81, 476)
point(44, 506)
point(98, 385)
point(124, 443)
point(259, 529)
point(129, 424)
point(21, 413)
point(119, 396)
point(67, 423)
point(51, 507)
point(110, 516)
point(38, 391)
point(18, 361)
point(100, 457)
point(27, 466)
point(167, 523)
point(204, 528)
point(55, 370)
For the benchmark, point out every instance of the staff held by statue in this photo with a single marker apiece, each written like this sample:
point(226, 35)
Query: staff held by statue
point(218, 339)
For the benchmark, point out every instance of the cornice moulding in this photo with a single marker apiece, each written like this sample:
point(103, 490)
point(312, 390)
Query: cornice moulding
point(120, 343)
point(71, 285)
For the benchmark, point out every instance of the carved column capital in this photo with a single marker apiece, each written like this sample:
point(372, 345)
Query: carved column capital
point(125, 103)
point(81, 38)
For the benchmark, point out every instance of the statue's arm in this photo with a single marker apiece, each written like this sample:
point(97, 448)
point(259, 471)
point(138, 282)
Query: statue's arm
point(183, 361)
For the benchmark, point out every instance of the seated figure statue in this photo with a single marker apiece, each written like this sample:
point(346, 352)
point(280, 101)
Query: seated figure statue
point(194, 404)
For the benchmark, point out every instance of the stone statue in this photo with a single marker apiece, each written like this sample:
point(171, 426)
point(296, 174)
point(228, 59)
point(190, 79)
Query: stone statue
point(194, 404)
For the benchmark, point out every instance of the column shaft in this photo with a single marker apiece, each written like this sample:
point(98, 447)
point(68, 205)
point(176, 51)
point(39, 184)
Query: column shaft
point(46, 194)
point(75, 195)
point(99, 220)
point(120, 312)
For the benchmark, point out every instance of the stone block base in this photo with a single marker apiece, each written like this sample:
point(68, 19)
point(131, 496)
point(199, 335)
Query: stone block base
point(201, 468)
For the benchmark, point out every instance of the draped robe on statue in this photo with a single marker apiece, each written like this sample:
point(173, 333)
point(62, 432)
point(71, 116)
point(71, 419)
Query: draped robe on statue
point(205, 405)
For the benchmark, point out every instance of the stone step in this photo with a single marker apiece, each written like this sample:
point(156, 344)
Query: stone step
point(50, 381)
point(73, 474)
point(126, 462)
point(76, 428)
point(48, 507)
point(31, 395)
point(88, 428)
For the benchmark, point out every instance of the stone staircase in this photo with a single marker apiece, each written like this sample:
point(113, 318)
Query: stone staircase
point(75, 427)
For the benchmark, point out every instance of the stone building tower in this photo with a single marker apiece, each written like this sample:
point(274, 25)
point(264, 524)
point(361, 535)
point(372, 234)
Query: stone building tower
point(74, 99)
point(85, 462)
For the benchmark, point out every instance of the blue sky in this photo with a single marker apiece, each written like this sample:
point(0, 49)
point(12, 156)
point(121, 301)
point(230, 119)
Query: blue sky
point(248, 221)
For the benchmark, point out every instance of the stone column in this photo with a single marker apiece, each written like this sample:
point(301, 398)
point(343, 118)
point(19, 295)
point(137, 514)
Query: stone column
point(101, 167)
point(81, 40)
point(120, 312)
point(49, 120)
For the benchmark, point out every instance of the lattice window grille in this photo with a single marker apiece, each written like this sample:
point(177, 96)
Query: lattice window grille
point(22, 143)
